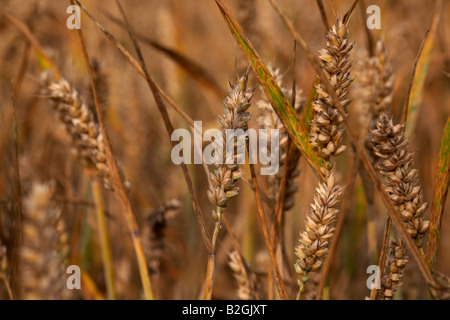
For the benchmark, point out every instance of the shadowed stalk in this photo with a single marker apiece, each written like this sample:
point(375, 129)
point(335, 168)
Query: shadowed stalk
point(323, 14)
point(383, 255)
point(211, 264)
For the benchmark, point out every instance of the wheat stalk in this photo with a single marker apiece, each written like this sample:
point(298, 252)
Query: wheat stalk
point(222, 181)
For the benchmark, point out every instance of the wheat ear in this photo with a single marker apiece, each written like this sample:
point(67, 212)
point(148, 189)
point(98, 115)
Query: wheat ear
point(401, 179)
point(222, 180)
point(79, 122)
point(315, 239)
point(396, 263)
point(42, 265)
point(326, 136)
point(241, 276)
point(401, 183)
point(236, 117)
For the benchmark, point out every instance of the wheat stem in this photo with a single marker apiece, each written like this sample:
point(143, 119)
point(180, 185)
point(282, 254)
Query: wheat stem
point(104, 239)
point(211, 265)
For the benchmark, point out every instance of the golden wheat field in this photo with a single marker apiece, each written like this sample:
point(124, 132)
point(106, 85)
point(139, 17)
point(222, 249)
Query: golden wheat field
point(337, 189)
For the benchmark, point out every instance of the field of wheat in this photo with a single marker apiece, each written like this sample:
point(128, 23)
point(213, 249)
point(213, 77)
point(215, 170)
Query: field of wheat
point(94, 206)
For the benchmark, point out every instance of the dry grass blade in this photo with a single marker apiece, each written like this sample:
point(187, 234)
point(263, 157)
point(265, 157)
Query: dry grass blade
point(421, 66)
point(441, 185)
point(17, 233)
point(275, 230)
point(104, 240)
point(3, 275)
point(349, 12)
point(323, 14)
point(276, 271)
